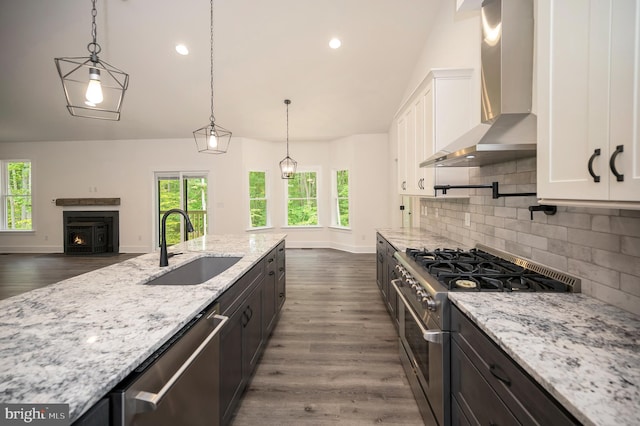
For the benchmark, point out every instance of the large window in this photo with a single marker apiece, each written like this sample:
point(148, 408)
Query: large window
point(186, 191)
point(258, 203)
point(16, 195)
point(302, 199)
point(340, 196)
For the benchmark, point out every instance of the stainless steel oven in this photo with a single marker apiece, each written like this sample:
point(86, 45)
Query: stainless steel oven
point(425, 277)
point(424, 351)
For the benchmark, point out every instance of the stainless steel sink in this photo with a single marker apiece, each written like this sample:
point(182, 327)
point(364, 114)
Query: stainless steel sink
point(196, 271)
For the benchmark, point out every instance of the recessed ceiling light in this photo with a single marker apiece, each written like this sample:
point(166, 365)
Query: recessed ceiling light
point(334, 43)
point(182, 49)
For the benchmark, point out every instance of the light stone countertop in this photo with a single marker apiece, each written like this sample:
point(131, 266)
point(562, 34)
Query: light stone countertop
point(71, 342)
point(403, 238)
point(582, 351)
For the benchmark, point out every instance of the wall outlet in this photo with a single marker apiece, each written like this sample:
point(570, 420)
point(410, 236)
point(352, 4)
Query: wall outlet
point(467, 219)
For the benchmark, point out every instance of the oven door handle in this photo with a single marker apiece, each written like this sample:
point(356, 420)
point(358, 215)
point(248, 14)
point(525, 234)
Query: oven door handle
point(428, 335)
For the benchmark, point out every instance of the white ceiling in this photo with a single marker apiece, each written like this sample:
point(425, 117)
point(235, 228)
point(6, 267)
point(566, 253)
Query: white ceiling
point(264, 51)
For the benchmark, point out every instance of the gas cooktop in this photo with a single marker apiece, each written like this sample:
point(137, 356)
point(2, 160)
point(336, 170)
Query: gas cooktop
point(481, 270)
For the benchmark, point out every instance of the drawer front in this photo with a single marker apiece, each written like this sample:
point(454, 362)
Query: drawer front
point(477, 400)
point(525, 398)
point(231, 298)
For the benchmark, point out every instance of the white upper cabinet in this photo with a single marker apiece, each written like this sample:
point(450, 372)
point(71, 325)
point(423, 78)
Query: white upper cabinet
point(439, 111)
point(588, 103)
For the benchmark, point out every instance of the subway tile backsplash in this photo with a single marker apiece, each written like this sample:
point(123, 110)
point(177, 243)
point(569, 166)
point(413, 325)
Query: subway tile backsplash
point(600, 246)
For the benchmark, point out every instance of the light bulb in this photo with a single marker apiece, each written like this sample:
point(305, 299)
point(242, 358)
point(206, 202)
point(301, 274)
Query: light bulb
point(94, 89)
point(213, 141)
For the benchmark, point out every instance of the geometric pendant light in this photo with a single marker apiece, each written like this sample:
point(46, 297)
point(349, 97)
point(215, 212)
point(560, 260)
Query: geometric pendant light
point(288, 165)
point(212, 139)
point(92, 87)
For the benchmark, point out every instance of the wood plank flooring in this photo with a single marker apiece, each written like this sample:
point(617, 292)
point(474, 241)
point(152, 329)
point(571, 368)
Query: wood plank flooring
point(333, 356)
point(20, 273)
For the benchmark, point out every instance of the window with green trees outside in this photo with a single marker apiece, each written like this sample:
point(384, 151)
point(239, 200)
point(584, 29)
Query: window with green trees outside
point(341, 197)
point(16, 195)
point(302, 199)
point(258, 204)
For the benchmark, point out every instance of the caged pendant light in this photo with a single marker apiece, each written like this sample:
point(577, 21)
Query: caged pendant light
point(92, 87)
point(288, 165)
point(212, 139)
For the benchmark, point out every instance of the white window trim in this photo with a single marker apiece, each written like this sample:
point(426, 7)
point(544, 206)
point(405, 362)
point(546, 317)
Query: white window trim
point(267, 196)
point(334, 199)
point(317, 171)
point(4, 179)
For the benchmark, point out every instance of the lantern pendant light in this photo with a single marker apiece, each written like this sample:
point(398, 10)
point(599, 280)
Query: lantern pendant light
point(92, 87)
point(288, 165)
point(212, 139)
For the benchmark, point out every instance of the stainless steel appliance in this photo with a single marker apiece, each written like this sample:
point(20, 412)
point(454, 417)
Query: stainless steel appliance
point(179, 383)
point(425, 279)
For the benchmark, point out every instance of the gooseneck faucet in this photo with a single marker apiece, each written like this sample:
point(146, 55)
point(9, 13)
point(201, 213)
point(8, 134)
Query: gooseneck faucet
point(164, 258)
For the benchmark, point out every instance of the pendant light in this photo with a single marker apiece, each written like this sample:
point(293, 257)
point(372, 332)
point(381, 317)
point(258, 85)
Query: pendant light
point(288, 165)
point(92, 87)
point(212, 139)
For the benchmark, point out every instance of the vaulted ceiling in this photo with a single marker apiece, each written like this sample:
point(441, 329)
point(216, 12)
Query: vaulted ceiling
point(264, 51)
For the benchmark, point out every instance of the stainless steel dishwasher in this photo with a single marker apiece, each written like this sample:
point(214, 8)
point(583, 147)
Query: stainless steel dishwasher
point(179, 383)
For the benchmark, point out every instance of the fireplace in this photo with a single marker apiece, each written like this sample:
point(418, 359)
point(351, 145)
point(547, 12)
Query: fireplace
point(91, 232)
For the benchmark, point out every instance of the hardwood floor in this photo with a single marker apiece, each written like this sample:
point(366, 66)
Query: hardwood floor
point(333, 357)
point(20, 273)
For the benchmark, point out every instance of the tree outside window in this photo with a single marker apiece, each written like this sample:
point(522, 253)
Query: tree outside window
point(258, 212)
point(16, 195)
point(341, 198)
point(186, 191)
point(302, 199)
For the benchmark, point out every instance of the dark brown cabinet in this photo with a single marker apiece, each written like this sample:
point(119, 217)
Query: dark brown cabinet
point(252, 304)
point(488, 387)
point(385, 273)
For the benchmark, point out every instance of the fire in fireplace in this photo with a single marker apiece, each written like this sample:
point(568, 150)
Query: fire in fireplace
point(91, 232)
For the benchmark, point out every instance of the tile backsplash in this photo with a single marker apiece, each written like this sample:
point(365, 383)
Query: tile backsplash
point(600, 246)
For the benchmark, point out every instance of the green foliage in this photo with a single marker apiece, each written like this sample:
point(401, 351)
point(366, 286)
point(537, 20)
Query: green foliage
point(195, 190)
point(18, 195)
point(302, 199)
point(257, 199)
point(342, 183)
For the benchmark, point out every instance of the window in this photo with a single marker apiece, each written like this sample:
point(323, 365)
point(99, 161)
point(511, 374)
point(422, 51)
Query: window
point(340, 195)
point(258, 204)
point(16, 195)
point(186, 191)
point(302, 199)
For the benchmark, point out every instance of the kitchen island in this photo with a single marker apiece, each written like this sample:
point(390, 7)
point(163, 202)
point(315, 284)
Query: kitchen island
point(73, 341)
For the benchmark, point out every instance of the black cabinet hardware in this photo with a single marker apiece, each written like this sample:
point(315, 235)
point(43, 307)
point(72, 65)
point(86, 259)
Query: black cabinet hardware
point(499, 374)
point(596, 152)
point(612, 163)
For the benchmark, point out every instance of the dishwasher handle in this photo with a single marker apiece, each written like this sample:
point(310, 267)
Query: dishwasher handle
point(148, 401)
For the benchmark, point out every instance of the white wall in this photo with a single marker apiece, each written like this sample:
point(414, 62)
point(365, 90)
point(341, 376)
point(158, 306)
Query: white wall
point(125, 169)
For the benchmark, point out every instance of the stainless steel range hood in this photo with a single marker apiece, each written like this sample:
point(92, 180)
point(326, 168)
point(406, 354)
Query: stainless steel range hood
point(508, 128)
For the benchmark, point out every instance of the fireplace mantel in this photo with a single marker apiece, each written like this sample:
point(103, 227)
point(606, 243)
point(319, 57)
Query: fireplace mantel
point(87, 201)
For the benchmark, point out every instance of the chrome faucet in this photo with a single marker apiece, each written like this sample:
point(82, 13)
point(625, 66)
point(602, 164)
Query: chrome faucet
point(164, 258)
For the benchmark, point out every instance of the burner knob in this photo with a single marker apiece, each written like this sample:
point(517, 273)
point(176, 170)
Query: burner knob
point(430, 303)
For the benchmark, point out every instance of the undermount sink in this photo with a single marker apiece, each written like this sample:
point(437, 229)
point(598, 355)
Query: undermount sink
point(196, 271)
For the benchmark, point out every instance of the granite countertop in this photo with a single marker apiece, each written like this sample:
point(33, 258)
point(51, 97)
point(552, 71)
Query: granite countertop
point(73, 341)
point(582, 351)
point(403, 238)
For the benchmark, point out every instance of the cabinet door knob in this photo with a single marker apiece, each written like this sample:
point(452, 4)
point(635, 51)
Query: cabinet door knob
point(596, 153)
point(612, 163)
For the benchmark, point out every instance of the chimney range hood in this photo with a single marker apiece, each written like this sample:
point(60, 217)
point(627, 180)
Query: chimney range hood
point(508, 128)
